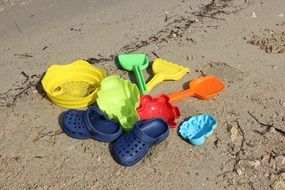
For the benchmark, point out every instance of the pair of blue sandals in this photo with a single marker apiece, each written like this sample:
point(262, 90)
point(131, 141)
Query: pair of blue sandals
point(127, 148)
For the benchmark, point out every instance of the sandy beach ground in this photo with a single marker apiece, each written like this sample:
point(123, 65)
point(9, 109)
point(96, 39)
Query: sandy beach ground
point(241, 42)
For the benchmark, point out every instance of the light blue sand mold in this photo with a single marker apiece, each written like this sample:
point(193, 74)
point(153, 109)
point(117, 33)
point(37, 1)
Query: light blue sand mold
point(198, 128)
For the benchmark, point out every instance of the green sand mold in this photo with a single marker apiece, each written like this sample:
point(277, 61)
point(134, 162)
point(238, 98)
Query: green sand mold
point(136, 63)
point(119, 99)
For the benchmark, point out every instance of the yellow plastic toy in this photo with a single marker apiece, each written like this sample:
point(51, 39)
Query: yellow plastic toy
point(73, 85)
point(165, 70)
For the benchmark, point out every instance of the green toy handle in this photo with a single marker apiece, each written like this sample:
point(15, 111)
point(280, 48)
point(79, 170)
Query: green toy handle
point(158, 78)
point(140, 79)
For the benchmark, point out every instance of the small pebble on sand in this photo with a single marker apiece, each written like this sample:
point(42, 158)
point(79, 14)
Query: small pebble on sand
point(239, 172)
point(253, 15)
point(280, 160)
point(255, 163)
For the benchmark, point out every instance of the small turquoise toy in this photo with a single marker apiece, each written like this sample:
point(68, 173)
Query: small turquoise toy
point(198, 128)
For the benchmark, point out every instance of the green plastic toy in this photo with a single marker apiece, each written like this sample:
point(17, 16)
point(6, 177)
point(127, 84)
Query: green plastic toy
point(136, 63)
point(119, 99)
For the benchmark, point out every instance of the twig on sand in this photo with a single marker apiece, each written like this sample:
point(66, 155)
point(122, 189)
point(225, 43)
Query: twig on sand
point(165, 18)
point(21, 92)
point(93, 60)
point(211, 17)
point(17, 26)
point(224, 173)
point(26, 76)
point(50, 134)
point(211, 9)
point(268, 126)
point(261, 133)
point(219, 12)
point(155, 54)
point(22, 55)
point(30, 81)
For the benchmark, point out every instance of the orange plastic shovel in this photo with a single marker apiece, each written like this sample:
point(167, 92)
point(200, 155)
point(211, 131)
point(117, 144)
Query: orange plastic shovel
point(203, 88)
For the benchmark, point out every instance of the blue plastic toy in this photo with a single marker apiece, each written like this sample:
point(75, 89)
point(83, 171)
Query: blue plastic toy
point(131, 147)
point(92, 123)
point(198, 128)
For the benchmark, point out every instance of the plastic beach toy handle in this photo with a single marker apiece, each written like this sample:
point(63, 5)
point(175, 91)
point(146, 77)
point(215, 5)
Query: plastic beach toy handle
point(140, 80)
point(158, 78)
point(58, 91)
point(177, 96)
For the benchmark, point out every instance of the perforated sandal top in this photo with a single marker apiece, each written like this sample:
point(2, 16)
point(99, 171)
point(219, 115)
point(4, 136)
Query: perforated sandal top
point(130, 148)
point(73, 85)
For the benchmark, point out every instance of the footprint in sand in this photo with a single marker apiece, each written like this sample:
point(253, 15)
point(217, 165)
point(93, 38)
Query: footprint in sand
point(223, 71)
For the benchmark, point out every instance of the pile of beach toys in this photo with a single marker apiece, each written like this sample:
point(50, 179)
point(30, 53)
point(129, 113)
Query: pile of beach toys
point(113, 110)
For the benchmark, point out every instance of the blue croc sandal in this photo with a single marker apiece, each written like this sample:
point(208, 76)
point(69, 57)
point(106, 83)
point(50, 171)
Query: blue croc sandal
point(92, 123)
point(198, 128)
point(131, 147)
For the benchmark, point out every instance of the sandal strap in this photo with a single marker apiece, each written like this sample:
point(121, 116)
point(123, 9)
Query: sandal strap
point(93, 131)
point(87, 122)
point(142, 136)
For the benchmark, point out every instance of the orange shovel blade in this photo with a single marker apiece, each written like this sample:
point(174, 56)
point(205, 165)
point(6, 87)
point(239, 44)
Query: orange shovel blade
point(203, 88)
point(206, 88)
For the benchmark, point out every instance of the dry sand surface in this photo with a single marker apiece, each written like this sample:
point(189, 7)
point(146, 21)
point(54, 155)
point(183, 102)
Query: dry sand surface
point(242, 42)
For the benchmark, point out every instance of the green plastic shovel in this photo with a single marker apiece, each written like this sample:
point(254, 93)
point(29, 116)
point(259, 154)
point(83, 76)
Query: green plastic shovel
point(136, 63)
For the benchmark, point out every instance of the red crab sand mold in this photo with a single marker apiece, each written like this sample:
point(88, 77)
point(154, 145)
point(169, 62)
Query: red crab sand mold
point(159, 107)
